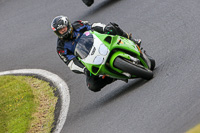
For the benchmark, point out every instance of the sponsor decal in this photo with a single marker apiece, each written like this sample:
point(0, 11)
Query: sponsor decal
point(87, 33)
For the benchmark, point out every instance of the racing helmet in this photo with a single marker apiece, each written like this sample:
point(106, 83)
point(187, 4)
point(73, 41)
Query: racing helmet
point(60, 22)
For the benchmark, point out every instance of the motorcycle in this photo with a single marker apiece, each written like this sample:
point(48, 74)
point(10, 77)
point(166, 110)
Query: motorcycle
point(114, 56)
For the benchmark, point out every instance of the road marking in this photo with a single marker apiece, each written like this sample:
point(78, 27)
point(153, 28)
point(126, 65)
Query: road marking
point(59, 83)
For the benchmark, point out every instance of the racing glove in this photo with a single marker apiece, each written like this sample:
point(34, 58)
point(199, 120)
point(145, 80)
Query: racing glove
point(76, 66)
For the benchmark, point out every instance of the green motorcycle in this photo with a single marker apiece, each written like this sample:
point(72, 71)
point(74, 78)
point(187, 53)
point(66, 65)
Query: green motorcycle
point(113, 56)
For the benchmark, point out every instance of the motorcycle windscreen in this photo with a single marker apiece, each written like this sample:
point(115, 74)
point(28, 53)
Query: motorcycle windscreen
point(84, 45)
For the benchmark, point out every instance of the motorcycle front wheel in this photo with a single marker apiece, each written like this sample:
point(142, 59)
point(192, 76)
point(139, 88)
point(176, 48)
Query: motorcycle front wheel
point(132, 69)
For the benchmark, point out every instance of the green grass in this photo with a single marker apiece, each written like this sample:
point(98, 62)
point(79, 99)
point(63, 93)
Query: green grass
point(26, 105)
point(16, 104)
point(195, 129)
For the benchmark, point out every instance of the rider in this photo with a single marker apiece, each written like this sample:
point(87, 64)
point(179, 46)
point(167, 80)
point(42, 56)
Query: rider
point(68, 35)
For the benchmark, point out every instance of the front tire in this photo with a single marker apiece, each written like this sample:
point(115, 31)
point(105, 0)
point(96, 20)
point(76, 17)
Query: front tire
point(133, 69)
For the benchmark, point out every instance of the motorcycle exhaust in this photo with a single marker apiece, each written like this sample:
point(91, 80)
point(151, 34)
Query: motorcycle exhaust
point(135, 60)
point(127, 74)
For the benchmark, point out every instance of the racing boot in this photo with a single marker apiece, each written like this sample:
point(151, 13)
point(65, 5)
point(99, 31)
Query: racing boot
point(136, 41)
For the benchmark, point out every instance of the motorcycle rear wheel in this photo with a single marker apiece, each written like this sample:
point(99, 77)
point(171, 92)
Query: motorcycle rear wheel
point(133, 69)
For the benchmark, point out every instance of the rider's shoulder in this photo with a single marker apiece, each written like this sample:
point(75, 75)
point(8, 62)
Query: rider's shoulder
point(60, 42)
point(79, 23)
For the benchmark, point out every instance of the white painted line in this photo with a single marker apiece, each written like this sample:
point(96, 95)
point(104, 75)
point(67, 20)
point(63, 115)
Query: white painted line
point(59, 83)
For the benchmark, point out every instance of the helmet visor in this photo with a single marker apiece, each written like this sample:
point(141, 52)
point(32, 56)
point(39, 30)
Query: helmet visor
point(63, 30)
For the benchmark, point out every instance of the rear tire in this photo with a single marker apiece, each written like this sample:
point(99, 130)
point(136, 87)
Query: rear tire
point(132, 69)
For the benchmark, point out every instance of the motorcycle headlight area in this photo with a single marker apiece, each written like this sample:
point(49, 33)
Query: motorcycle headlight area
point(103, 50)
point(98, 60)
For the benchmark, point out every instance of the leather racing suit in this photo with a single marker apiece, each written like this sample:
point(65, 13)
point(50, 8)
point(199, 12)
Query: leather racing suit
point(65, 50)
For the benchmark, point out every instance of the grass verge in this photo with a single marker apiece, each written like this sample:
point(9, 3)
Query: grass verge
point(27, 105)
point(195, 129)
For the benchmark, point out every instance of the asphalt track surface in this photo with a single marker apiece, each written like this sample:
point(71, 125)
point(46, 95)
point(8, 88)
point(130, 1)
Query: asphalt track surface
point(170, 30)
